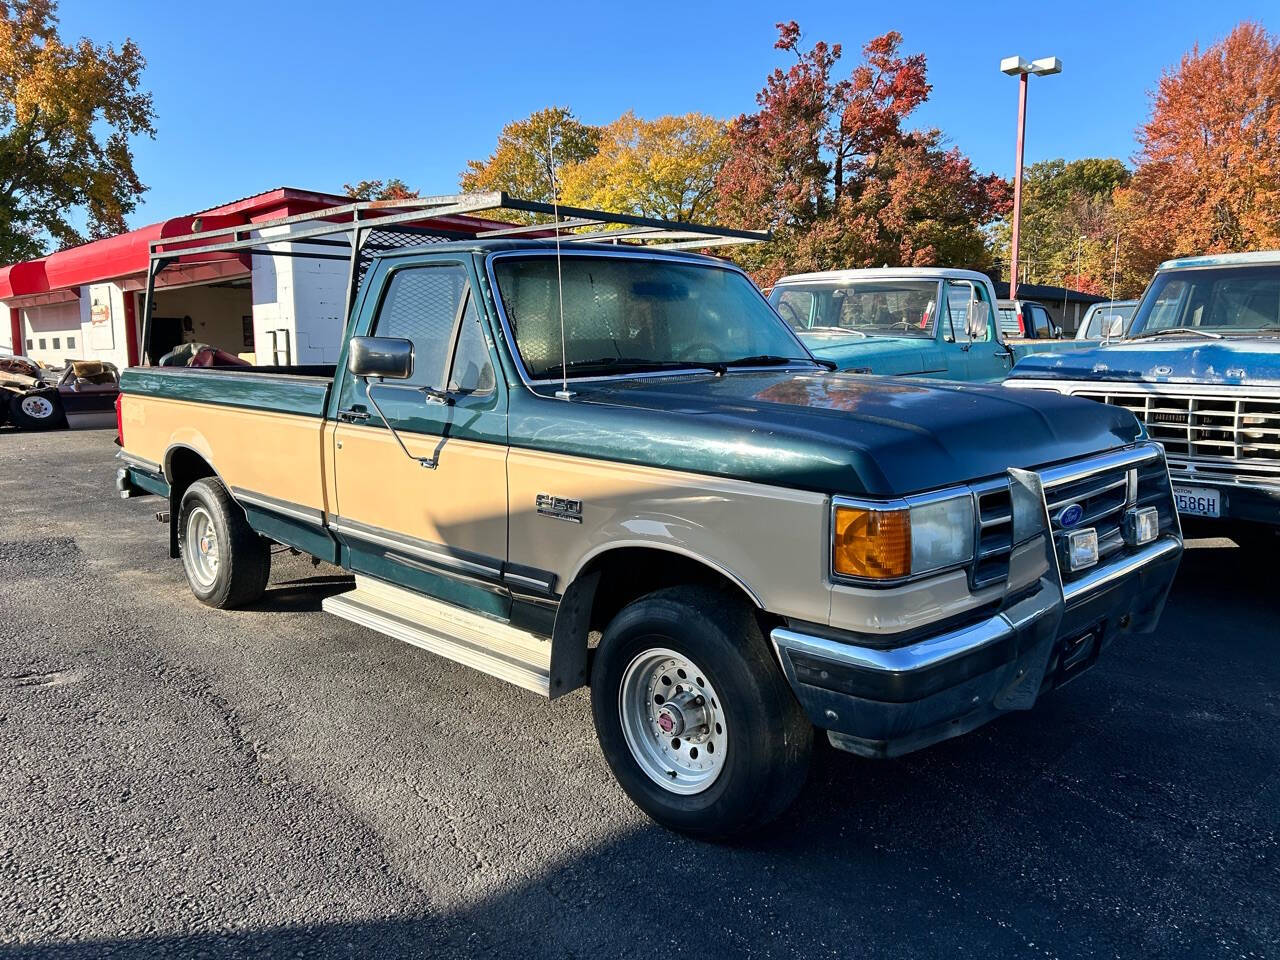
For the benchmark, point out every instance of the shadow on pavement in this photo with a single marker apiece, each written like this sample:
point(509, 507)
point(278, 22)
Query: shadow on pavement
point(1086, 827)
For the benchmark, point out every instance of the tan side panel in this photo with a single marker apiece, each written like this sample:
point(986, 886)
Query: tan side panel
point(462, 503)
point(769, 539)
point(275, 454)
point(869, 610)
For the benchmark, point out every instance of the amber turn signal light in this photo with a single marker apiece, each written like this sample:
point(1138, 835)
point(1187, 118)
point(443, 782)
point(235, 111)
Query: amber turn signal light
point(872, 544)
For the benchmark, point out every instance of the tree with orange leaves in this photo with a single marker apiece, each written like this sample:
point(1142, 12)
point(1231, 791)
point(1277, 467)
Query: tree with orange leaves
point(1208, 175)
point(827, 165)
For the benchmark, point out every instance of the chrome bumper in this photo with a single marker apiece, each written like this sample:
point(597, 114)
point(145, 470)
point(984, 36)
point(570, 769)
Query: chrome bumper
point(877, 698)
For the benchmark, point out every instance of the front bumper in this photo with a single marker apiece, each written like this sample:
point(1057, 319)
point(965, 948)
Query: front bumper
point(879, 702)
point(1238, 502)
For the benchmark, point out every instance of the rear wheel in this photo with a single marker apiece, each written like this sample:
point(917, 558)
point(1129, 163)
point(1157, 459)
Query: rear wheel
point(37, 410)
point(694, 715)
point(226, 562)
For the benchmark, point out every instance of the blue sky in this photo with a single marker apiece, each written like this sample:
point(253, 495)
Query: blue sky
point(314, 93)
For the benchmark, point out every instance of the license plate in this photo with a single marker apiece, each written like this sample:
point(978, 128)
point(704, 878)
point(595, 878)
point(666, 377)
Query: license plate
point(1198, 501)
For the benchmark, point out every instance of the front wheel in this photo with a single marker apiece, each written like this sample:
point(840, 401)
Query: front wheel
point(37, 410)
point(226, 562)
point(694, 716)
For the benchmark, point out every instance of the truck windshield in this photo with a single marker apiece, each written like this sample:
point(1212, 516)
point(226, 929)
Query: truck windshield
point(900, 308)
point(629, 314)
point(1211, 301)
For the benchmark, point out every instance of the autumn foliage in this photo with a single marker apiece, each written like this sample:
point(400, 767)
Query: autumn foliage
point(1208, 171)
point(68, 112)
point(828, 164)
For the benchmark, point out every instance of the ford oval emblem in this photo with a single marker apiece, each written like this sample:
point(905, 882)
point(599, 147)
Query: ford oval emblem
point(1070, 515)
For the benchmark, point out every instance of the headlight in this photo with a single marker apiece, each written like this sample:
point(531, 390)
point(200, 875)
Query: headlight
point(892, 542)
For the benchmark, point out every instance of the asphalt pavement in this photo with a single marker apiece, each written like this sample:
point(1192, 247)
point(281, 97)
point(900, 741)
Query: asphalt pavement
point(178, 781)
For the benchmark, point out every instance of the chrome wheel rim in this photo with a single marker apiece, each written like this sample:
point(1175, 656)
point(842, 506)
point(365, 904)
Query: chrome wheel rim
point(673, 721)
point(202, 547)
point(38, 408)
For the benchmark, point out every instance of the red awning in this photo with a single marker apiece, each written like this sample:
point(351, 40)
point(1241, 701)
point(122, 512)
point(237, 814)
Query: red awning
point(23, 279)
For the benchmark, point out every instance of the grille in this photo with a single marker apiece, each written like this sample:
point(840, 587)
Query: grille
point(1233, 435)
point(1104, 495)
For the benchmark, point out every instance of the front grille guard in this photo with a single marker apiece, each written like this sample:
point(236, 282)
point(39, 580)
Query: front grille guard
point(1019, 536)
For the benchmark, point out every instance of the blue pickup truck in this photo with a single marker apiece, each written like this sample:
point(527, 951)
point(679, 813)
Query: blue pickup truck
point(934, 322)
point(1201, 368)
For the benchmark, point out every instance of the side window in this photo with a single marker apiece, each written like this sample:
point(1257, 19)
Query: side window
point(1042, 322)
point(795, 307)
point(421, 304)
point(980, 296)
point(959, 294)
point(472, 369)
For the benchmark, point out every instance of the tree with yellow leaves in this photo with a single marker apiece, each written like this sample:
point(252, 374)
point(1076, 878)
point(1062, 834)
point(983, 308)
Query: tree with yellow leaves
point(67, 114)
point(664, 168)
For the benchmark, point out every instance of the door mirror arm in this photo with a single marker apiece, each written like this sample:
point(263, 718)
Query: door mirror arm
point(429, 462)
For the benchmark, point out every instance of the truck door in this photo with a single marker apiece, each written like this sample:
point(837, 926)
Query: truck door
point(984, 357)
point(435, 521)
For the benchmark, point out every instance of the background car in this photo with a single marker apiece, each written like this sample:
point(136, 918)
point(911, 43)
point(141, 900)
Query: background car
point(1106, 320)
point(1026, 320)
point(83, 395)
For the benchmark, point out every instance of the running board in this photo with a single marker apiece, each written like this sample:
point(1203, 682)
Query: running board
point(490, 646)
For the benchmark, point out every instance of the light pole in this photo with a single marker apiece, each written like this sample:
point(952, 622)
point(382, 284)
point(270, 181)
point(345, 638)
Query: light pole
point(1017, 67)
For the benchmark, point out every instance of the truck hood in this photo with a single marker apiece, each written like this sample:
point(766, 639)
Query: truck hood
point(891, 356)
point(831, 432)
point(1238, 360)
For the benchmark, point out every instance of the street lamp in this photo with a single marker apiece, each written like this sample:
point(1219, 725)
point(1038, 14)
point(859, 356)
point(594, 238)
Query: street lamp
point(1017, 67)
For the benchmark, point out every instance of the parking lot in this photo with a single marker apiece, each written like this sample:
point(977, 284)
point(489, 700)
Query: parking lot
point(179, 781)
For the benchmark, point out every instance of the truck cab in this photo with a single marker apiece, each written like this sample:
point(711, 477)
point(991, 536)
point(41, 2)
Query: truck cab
point(934, 322)
point(1200, 367)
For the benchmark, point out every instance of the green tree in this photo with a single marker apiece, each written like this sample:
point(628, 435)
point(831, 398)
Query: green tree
point(1068, 223)
point(521, 162)
point(664, 168)
point(67, 116)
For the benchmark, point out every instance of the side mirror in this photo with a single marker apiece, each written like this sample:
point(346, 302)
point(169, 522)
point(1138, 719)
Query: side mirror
point(1115, 328)
point(389, 357)
point(975, 325)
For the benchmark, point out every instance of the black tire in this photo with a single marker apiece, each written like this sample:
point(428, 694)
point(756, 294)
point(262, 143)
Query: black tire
point(44, 410)
point(770, 738)
point(243, 558)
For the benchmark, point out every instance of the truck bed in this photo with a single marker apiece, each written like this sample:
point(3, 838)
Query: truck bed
point(298, 390)
point(261, 428)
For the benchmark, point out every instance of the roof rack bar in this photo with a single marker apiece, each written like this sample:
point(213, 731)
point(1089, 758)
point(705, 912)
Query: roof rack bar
point(380, 214)
point(479, 202)
point(532, 206)
point(447, 205)
point(537, 228)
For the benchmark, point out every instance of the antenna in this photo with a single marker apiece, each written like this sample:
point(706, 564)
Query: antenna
point(563, 393)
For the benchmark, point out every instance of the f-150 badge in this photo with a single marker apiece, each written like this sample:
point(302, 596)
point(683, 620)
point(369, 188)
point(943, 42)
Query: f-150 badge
point(561, 508)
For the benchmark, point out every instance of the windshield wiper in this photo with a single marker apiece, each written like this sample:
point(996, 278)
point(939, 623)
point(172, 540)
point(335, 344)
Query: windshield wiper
point(765, 360)
point(1164, 333)
point(614, 364)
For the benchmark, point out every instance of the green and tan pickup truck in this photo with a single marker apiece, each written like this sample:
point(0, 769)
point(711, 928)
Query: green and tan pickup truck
point(615, 465)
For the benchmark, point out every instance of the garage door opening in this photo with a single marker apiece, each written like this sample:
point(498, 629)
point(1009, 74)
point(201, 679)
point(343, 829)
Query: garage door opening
point(185, 320)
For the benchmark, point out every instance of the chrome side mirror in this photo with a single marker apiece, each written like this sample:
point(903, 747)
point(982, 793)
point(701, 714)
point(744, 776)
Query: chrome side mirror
point(975, 325)
point(389, 357)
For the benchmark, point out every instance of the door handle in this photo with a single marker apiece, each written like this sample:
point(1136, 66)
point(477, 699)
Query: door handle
point(353, 416)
